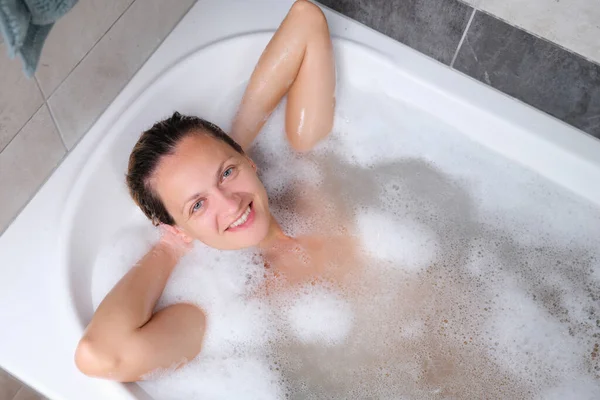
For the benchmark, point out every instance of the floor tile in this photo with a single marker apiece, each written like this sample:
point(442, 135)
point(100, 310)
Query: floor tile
point(573, 24)
point(433, 27)
point(73, 36)
point(536, 71)
point(95, 82)
point(9, 386)
point(26, 163)
point(28, 394)
point(19, 97)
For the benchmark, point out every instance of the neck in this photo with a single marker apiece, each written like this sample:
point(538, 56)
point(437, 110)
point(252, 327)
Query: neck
point(274, 236)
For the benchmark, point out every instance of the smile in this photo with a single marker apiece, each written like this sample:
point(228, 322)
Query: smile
point(244, 220)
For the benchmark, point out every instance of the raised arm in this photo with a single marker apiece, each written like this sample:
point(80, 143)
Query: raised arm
point(125, 340)
point(298, 61)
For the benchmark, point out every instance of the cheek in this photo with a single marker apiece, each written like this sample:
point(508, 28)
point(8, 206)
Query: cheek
point(203, 226)
point(250, 183)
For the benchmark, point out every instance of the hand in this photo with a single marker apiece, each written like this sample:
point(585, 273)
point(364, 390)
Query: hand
point(174, 241)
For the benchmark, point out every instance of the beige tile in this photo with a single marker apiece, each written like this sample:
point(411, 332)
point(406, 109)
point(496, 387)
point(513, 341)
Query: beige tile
point(19, 97)
point(572, 24)
point(27, 393)
point(9, 386)
point(95, 82)
point(73, 36)
point(26, 162)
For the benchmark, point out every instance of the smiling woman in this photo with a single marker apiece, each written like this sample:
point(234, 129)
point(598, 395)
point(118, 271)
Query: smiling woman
point(208, 187)
point(188, 176)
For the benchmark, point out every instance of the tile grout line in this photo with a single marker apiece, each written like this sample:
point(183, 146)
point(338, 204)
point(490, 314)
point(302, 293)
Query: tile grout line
point(36, 190)
point(33, 194)
point(464, 36)
point(46, 99)
point(21, 128)
point(89, 51)
point(24, 387)
point(60, 135)
point(45, 102)
point(18, 391)
point(541, 37)
point(134, 73)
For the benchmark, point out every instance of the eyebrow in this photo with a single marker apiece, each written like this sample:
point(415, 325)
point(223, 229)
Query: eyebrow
point(196, 195)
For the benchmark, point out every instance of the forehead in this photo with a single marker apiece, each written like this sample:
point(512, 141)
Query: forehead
point(200, 148)
point(191, 168)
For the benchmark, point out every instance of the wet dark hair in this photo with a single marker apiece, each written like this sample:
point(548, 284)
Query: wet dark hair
point(152, 146)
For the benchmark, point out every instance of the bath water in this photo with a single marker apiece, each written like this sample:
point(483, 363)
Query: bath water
point(477, 277)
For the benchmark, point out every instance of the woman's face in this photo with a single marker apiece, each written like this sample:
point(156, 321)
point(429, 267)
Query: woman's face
point(213, 193)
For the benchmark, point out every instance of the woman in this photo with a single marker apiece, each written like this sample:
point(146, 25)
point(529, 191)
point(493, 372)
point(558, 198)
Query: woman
point(194, 181)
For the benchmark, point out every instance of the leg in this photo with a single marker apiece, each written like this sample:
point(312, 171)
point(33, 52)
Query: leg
point(298, 61)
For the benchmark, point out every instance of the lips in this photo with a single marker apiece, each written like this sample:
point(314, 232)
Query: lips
point(244, 220)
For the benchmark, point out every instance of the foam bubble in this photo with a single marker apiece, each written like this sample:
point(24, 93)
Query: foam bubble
point(405, 243)
point(117, 256)
point(318, 315)
point(586, 389)
point(480, 278)
point(239, 327)
point(228, 378)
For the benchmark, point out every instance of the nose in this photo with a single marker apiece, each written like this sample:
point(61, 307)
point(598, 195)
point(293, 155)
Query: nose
point(228, 202)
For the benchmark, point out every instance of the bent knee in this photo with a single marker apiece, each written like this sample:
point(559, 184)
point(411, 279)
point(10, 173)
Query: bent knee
point(94, 361)
point(309, 10)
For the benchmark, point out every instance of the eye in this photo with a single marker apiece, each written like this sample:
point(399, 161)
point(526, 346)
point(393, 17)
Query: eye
point(227, 173)
point(197, 205)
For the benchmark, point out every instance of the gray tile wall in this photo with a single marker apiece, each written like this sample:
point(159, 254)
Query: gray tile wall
point(88, 58)
point(534, 70)
point(433, 27)
point(573, 24)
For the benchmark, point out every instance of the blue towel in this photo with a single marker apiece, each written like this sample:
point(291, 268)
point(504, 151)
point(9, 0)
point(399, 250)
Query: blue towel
point(25, 25)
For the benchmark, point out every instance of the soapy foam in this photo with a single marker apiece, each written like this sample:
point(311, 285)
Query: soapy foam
point(317, 315)
point(412, 244)
point(478, 279)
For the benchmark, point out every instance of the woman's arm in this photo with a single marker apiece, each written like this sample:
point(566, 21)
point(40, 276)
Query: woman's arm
point(298, 61)
point(125, 340)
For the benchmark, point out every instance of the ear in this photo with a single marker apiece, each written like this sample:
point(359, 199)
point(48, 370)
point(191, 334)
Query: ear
point(252, 163)
point(177, 231)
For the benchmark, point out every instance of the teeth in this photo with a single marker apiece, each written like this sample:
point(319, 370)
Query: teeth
point(241, 219)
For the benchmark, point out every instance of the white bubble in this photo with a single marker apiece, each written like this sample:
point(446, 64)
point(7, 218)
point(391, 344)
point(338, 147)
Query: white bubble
point(407, 244)
point(229, 378)
point(468, 256)
point(527, 339)
point(117, 257)
point(242, 326)
point(584, 389)
point(318, 315)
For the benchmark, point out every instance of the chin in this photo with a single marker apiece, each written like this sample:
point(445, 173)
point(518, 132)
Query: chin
point(252, 238)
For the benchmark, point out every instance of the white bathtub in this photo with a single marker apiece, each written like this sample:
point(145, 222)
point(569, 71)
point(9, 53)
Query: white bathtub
point(47, 253)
